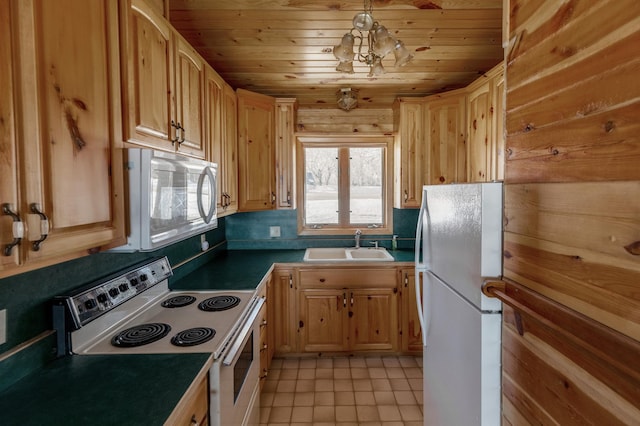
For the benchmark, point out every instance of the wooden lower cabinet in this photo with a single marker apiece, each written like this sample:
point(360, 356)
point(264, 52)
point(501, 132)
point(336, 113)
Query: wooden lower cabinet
point(410, 324)
point(348, 310)
point(194, 409)
point(283, 315)
point(323, 320)
point(265, 290)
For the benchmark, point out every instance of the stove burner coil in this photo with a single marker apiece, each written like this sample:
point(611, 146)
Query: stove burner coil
point(218, 303)
point(140, 335)
point(178, 301)
point(193, 336)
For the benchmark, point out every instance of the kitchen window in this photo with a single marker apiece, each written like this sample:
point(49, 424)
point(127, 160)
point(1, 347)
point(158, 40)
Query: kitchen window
point(344, 184)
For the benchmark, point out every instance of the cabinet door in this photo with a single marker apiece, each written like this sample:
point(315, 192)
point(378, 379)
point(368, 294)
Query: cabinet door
point(189, 99)
point(373, 317)
point(323, 320)
point(285, 151)
point(446, 136)
point(410, 323)
point(8, 141)
point(282, 317)
point(479, 132)
point(69, 67)
point(256, 148)
point(149, 81)
point(230, 146)
point(410, 153)
point(213, 121)
point(498, 149)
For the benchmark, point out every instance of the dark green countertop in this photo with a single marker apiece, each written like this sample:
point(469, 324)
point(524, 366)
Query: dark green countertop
point(102, 390)
point(244, 269)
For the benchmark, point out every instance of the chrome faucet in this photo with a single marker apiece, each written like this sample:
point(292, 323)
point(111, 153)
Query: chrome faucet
point(358, 233)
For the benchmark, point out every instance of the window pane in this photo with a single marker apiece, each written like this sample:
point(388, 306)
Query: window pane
point(321, 186)
point(365, 186)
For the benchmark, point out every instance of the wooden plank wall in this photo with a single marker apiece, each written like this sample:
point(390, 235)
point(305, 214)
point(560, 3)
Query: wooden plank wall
point(572, 202)
point(369, 121)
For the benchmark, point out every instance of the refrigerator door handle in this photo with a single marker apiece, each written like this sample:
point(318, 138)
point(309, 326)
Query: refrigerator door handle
point(421, 316)
point(420, 266)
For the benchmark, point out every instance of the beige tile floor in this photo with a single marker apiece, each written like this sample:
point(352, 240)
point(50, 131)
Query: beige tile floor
point(367, 390)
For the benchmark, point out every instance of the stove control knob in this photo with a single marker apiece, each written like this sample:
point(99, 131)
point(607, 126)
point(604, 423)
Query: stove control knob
point(102, 297)
point(113, 292)
point(133, 281)
point(90, 304)
point(143, 277)
point(123, 287)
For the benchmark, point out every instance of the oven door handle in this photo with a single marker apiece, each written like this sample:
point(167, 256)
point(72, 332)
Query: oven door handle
point(235, 349)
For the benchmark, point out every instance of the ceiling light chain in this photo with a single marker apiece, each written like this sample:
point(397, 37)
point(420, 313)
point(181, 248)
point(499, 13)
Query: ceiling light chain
point(379, 44)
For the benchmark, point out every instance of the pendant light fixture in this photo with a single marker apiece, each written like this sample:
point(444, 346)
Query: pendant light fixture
point(347, 98)
point(379, 43)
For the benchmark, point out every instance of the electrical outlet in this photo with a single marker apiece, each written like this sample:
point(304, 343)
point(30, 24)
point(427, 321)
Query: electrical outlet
point(3, 326)
point(274, 231)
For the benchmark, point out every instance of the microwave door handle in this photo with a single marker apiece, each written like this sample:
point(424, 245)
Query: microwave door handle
point(212, 200)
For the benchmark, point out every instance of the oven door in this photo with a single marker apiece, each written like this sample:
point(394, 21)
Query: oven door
point(239, 370)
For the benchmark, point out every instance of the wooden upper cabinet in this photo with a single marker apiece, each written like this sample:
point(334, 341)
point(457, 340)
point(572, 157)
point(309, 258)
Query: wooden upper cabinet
point(190, 99)
point(446, 137)
point(148, 81)
point(163, 83)
point(409, 151)
point(67, 128)
point(286, 109)
point(8, 141)
point(256, 151)
point(230, 142)
point(483, 121)
point(221, 125)
point(498, 152)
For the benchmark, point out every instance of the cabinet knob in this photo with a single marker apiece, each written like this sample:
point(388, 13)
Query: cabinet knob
point(194, 421)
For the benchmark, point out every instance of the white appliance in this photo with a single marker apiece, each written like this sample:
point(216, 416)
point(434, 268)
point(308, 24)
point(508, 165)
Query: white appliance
point(171, 197)
point(134, 312)
point(458, 245)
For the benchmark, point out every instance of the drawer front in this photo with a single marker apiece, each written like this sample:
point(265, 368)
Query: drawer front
point(338, 278)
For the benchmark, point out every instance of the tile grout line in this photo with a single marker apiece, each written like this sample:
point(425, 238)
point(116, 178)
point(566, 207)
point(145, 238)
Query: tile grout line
point(343, 390)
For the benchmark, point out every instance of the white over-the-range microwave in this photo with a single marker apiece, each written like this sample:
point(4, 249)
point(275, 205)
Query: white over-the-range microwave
point(171, 197)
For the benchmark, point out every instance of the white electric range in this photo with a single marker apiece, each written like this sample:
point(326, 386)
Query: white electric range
point(134, 312)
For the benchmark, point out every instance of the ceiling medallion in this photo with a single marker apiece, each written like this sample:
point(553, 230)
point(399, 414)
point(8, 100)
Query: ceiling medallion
point(379, 44)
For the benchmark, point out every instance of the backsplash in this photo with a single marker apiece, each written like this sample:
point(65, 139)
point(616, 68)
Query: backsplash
point(26, 297)
point(251, 231)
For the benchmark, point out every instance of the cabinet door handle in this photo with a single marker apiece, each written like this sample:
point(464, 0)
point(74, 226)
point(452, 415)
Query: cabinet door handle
point(289, 197)
point(344, 299)
point(406, 196)
point(178, 127)
point(194, 421)
point(44, 226)
point(352, 299)
point(18, 228)
point(273, 197)
point(406, 279)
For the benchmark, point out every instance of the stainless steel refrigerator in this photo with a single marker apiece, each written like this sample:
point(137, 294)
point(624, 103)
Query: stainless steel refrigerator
point(458, 246)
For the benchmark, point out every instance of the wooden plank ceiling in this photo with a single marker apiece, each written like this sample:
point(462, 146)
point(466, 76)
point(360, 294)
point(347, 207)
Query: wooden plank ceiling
point(284, 48)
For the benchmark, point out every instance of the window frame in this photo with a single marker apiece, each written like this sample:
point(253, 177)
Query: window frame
point(347, 141)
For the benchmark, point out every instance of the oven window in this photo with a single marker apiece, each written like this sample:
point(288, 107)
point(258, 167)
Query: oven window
point(241, 367)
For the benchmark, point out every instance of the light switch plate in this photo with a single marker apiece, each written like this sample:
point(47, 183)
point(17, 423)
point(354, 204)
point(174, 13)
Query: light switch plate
point(274, 231)
point(3, 326)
